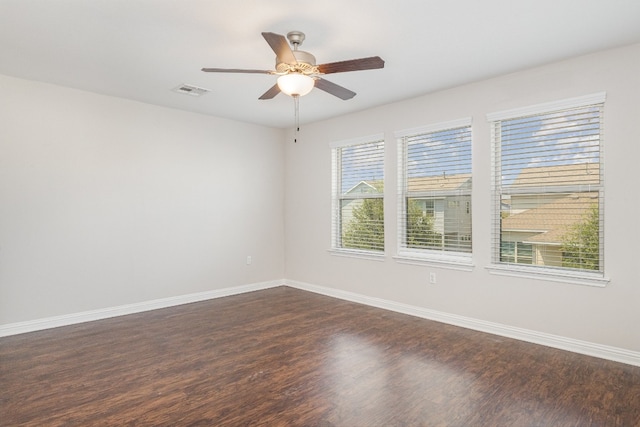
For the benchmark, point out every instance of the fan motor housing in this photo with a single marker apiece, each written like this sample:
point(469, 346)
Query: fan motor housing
point(306, 63)
point(301, 56)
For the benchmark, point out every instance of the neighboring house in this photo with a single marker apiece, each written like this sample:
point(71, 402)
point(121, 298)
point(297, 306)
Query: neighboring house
point(535, 235)
point(533, 224)
point(364, 187)
point(348, 205)
point(447, 199)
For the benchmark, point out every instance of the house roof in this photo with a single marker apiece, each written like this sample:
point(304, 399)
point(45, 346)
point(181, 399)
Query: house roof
point(423, 183)
point(551, 220)
point(365, 187)
point(440, 182)
point(575, 174)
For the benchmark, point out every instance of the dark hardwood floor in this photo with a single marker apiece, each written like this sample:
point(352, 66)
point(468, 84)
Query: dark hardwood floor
point(285, 357)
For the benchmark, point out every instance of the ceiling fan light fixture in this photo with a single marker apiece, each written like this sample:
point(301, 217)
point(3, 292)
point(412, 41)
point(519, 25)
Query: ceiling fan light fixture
point(295, 84)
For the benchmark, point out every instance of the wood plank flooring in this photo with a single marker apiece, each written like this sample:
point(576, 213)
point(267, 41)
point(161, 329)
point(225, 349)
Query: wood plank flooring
point(285, 357)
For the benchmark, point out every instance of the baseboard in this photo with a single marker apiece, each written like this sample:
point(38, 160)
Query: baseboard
point(583, 347)
point(105, 313)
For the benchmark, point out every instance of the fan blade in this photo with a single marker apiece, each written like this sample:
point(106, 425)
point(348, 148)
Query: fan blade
point(235, 70)
point(271, 92)
point(334, 89)
point(370, 63)
point(280, 46)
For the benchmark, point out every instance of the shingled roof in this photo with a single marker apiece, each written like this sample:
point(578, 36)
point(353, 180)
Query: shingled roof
point(551, 220)
point(576, 174)
point(439, 182)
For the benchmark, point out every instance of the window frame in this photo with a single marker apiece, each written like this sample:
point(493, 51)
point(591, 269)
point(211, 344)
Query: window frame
point(337, 198)
point(422, 256)
point(558, 274)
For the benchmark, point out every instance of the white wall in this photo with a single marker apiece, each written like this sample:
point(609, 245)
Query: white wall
point(106, 202)
point(609, 316)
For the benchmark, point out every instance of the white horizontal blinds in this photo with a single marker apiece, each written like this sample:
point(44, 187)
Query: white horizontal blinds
point(550, 189)
point(360, 203)
point(362, 163)
point(435, 207)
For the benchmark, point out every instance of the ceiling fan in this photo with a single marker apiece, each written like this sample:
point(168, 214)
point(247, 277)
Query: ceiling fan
point(297, 69)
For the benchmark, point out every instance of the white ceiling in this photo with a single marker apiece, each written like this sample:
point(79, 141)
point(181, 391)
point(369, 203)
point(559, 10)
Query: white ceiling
point(141, 49)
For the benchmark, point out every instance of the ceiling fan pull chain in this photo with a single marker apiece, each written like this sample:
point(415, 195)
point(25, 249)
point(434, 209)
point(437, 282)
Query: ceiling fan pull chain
point(296, 102)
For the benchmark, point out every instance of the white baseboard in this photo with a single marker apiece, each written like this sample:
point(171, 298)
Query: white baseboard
point(105, 313)
point(583, 347)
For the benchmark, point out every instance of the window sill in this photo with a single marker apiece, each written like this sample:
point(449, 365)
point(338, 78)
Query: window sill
point(550, 274)
point(453, 262)
point(351, 253)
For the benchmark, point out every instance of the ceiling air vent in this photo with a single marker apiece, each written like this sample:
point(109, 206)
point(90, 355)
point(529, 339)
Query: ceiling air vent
point(190, 90)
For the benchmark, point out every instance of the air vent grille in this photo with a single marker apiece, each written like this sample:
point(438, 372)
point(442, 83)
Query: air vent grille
point(191, 90)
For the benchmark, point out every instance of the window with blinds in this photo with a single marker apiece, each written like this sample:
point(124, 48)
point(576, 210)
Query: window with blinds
point(358, 195)
point(548, 186)
point(434, 183)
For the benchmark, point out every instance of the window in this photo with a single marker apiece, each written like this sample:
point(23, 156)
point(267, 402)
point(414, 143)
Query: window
point(516, 252)
point(548, 187)
point(434, 183)
point(358, 195)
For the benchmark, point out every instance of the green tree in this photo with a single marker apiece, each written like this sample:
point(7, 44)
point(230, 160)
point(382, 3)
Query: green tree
point(581, 243)
point(366, 228)
point(420, 232)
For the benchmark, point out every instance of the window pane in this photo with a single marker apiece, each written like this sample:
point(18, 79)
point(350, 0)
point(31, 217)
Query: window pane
point(436, 205)
point(443, 154)
point(362, 224)
point(358, 188)
point(362, 168)
point(434, 223)
point(524, 253)
point(581, 242)
point(557, 148)
point(507, 251)
point(421, 219)
point(563, 227)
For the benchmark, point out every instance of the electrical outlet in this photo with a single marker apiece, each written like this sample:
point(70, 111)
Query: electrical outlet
point(432, 278)
point(249, 260)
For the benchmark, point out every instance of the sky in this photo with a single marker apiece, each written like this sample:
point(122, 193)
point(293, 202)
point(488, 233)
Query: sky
point(558, 138)
point(552, 139)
